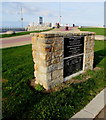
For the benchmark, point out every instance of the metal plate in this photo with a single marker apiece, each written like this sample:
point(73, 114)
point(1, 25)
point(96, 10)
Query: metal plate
point(73, 46)
point(73, 65)
point(73, 55)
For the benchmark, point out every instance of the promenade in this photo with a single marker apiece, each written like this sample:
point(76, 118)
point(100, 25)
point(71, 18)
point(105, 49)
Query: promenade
point(26, 39)
point(15, 41)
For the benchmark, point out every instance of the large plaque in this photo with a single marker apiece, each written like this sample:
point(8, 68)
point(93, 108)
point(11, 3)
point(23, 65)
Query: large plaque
point(73, 45)
point(73, 55)
point(73, 65)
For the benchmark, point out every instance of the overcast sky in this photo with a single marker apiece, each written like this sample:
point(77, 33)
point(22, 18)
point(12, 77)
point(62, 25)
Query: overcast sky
point(80, 13)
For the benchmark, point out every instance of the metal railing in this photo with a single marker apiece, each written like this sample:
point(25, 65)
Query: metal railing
point(5, 29)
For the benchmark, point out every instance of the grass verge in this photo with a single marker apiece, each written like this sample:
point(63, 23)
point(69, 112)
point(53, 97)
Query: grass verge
point(21, 102)
point(22, 33)
point(98, 31)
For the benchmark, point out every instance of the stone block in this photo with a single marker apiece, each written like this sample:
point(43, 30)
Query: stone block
point(56, 82)
point(52, 68)
point(45, 69)
point(48, 48)
point(35, 74)
point(57, 73)
point(57, 47)
point(35, 67)
point(34, 40)
point(60, 65)
point(58, 53)
point(49, 41)
point(48, 63)
point(34, 47)
point(55, 60)
point(34, 54)
point(44, 77)
point(45, 56)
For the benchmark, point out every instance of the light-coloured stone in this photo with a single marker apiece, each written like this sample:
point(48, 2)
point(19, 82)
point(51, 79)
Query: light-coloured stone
point(57, 73)
point(56, 60)
point(83, 114)
point(10, 32)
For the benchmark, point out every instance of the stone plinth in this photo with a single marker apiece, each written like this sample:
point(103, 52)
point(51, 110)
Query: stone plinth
point(48, 55)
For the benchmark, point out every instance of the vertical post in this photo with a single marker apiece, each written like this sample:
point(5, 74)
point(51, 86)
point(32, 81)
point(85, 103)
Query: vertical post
point(21, 17)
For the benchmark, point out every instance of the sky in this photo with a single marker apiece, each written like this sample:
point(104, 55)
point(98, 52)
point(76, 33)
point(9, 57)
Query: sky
point(79, 13)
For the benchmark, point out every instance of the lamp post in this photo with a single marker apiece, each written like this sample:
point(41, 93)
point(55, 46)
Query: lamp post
point(60, 12)
point(22, 17)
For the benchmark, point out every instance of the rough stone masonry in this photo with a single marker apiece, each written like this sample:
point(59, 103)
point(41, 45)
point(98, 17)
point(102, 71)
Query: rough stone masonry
point(48, 55)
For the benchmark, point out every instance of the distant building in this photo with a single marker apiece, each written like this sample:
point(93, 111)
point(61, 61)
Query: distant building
point(40, 20)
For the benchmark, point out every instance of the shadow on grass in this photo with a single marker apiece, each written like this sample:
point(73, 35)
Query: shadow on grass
point(52, 106)
point(98, 56)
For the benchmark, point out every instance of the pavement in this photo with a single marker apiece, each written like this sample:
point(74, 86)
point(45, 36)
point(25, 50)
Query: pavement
point(15, 41)
point(95, 109)
point(26, 39)
point(100, 37)
point(102, 114)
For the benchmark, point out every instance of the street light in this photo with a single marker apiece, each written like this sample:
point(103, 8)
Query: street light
point(22, 17)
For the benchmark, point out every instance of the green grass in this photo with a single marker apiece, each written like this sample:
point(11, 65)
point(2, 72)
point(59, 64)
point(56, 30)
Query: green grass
point(98, 31)
point(21, 102)
point(22, 33)
point(100, 54)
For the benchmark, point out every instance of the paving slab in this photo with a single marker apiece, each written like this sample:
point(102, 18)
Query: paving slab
point(82, 114)
point(96, 105)
point(102, 114)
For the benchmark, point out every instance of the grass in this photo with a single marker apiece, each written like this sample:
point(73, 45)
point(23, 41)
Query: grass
point(98, 31)
point(21, 102)
point(21, 33)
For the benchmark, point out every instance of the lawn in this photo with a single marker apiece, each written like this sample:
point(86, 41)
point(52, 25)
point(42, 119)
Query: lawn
point(98, 31)
point(22, 33)
point(21, 102)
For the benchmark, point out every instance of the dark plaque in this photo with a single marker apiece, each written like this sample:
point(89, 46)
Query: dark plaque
point(73, 46)
point(73, 65)
point(73, 55)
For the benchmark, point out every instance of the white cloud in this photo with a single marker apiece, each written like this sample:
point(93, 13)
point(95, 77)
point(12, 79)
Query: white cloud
point(80, 13)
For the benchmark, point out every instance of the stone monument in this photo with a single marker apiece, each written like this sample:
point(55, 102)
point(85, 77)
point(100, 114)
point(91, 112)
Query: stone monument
point(60, 55)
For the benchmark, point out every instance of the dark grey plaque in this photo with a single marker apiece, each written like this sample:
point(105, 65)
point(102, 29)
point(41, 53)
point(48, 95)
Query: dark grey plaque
point(73, 65)
point(73, 57)
point(73, 45)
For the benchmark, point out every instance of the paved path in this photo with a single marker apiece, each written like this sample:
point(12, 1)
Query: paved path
point(100, 37)
point(15, 41)
point(26, 39)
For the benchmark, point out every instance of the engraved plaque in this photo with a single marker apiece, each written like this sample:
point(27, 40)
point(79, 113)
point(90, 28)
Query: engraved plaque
point(73, 65)
point(73, 55)
point(73, 45)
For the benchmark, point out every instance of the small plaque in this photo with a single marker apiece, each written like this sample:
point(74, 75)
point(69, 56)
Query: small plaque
point(73, 46)
point(73, 65)
point(73, 55)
